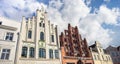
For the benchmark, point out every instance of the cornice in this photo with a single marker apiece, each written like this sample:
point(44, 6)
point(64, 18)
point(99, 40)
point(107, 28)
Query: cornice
point(8, 27)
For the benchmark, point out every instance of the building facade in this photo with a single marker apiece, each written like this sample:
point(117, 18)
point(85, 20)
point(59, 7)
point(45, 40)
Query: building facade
point(114, 53)
point(38, 41)
point(74, 50)
point(99, 56)
point(8, 40)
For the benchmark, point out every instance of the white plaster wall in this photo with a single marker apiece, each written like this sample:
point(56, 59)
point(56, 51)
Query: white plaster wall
point(33, 24)
point(4, 44)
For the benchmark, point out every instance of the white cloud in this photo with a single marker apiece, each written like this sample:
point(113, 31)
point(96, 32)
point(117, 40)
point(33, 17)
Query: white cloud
point(15, 9)
point(70, 12)
point(91, 25)
point(106, 0)
point(75, 12)
point(107, 15)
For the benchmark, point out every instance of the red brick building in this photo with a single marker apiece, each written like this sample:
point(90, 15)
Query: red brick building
point(74, 50)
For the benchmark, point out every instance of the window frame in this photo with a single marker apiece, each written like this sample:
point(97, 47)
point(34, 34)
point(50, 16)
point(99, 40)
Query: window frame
point(42, 37)
point(56, 54)
point(9, 36)
point(52, 38)
point(32, 52)
point(42, 53)
point(29, 34)
point(24, 52)
point(4, 54)
point(51, 54)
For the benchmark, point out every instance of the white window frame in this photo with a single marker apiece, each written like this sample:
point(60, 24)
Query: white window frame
point(5, 52)
point(9, 35)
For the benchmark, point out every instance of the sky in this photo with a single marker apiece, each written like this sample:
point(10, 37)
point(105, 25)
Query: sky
point(97, 20)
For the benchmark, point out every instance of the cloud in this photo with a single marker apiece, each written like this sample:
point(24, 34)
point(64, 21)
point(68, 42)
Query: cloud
point(15, 9)
point(91, 26)
point(67, 12)
point(106, 0)
point(62, 12)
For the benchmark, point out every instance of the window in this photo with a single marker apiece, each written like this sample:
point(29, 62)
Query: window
point(5, 54)
point(98, 57)
point(31, 52)
point(52, 38)
point(29, 34)
point(24, 52)
point(51, 53)
point(100, 50)
point(42, 53)
point(41, 36)
point(0, 22)
point(56, 54)
point(40, 24)
point(43, 25)
point(9, 36)
point(95, 57)
point(102, 57)
point(113, 54)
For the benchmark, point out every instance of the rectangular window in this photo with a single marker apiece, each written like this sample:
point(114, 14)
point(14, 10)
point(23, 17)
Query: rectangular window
point(29, 34)
point(51, 53)
point(95, 57)
point(56, 54)
point(102, 57)
point(52, 38)
point(43, 25)
point(0, 22)
point(9, 36)
point(24, 51)
point(42, 53)
point(31, 52)
point(5, 54)
point(40, 24)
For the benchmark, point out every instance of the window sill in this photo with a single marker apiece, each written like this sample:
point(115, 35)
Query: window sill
point(6, 40)
point(52, 44)
point(5, 60)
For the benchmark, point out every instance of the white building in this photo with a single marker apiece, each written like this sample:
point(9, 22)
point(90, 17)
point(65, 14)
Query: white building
point(38, 41)
point(99, 55)
point(8, 40)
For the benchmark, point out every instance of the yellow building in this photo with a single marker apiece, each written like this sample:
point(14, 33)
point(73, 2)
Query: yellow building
point(98, 54)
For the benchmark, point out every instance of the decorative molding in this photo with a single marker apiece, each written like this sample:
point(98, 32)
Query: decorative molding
point(8, 27)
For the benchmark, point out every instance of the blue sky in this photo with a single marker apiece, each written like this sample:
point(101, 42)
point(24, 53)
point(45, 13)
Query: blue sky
point(97, 19)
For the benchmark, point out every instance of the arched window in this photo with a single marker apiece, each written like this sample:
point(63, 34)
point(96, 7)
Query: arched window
point(24, 52)
point(41, 36)
point(29, 34)
point(31, 52)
